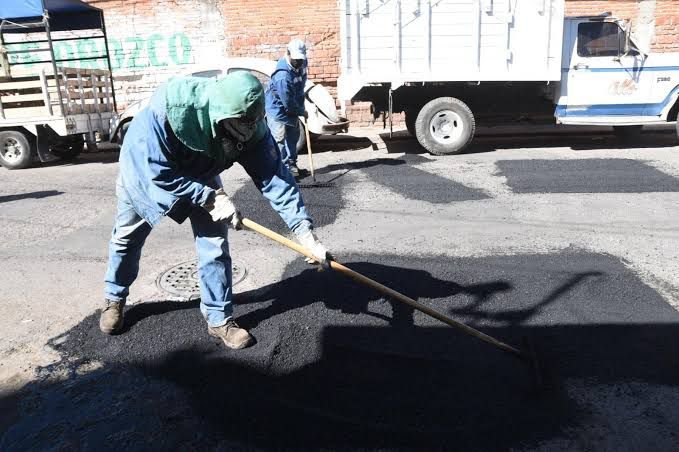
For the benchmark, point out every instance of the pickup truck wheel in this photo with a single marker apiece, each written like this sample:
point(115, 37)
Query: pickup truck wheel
point(445, 126)
point(411, 117)
point(16, 150)
point(69, 148)
point(627, 132)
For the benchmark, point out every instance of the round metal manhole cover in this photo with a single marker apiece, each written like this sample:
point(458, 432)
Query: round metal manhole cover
point(182, 279)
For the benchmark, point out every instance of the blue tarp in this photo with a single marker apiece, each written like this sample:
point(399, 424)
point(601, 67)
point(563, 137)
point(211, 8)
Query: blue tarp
point(63, 14)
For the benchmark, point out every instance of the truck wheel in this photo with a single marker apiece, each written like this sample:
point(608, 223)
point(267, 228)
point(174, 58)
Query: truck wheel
point(411, 117)
point(16, 150)
point(69, 148)
point(627, 132)
point(445, 126)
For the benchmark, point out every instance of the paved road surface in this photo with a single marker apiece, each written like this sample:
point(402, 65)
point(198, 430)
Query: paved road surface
point(570, 243)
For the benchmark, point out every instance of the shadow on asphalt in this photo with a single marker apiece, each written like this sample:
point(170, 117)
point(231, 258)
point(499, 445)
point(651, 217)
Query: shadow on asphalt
point(336, 366)
point(30, 195)
point(324, 204)
point(580, 142)
point(104, 157)
point(340, 143)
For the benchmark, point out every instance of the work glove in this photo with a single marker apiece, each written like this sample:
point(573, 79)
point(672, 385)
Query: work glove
point(221, 208)
point(321, 255)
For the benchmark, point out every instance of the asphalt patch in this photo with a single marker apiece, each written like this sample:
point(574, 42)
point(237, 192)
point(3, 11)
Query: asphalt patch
point(323, 205)
point(585, 176)
point(403, 177)
point(337, 365)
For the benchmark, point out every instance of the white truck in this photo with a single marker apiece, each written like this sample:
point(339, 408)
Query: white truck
point(50, 106)
point(448, 63)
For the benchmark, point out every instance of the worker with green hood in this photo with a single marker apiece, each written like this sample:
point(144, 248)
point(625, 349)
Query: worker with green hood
point(170, 165)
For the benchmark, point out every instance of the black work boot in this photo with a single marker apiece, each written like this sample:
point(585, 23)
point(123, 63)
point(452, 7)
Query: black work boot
point(111, 320)
point(232, 335)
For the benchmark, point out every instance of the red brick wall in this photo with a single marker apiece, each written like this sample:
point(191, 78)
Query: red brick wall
point(263, 28)
point(667, 26)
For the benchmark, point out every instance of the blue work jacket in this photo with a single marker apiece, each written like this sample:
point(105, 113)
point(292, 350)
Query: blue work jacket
point(163, 177)
point(285, 93)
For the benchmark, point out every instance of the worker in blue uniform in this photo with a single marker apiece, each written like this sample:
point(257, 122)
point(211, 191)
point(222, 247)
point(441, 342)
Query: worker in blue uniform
point(170, 165)
point(285, 102)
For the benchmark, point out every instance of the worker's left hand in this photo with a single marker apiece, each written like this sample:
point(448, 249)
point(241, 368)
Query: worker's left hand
point(321, 255)
point(221, 208)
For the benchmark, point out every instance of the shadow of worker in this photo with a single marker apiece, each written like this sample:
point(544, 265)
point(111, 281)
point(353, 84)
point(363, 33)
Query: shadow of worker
point(342, 295)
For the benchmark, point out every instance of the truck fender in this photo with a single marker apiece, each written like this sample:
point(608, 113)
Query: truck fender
point(43, 133)
point(672, 109)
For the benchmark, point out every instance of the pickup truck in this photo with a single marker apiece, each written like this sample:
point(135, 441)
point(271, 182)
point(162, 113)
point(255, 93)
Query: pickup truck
point(447, 65)
point(50, 106)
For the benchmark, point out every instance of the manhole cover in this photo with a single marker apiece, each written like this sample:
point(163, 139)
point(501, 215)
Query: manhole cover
point(182, 279)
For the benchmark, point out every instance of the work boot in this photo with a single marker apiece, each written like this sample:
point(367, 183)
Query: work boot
point(111, 320)
point(293, 169)
point(232, 335)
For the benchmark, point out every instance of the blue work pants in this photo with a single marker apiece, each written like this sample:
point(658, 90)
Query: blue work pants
point(214, 262)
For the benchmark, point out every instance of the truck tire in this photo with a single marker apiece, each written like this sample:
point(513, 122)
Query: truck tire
point(627, 133)
point(445, 126)
point(69, 148)
point(16, 149)
point(410, 118)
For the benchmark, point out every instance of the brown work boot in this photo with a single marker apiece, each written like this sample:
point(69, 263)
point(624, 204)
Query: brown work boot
point(111, 320)
point(232, 335)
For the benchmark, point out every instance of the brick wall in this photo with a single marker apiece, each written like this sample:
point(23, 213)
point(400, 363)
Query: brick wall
point(151, 40)
point(155, 38)
point(263, 28)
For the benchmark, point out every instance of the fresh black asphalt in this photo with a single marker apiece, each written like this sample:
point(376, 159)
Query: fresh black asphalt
point(336, 365)
point(324, 203)
point(585, 176)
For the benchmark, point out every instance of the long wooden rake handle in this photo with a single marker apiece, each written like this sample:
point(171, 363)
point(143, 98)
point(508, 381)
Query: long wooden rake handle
point(384, 289)
point(308, 147)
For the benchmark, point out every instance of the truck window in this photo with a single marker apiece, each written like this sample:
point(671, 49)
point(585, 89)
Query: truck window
point(600, 39)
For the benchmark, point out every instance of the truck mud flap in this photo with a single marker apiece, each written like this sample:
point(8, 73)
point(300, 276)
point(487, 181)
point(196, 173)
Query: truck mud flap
point(42, 140)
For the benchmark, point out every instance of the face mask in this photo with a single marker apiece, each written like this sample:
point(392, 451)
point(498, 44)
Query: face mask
point(239, 128)
point(297, 64)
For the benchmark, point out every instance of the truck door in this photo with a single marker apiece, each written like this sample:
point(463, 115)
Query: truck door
point(602, 80)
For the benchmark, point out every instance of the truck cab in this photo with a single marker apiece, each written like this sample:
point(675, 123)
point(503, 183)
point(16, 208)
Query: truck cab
point(607, 80)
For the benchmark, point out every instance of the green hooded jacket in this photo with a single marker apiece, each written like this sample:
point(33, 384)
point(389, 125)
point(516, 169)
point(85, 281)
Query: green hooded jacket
point(195, 106)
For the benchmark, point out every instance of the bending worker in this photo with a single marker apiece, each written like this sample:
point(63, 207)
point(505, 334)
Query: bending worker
point(285, 102)
point(170, 162)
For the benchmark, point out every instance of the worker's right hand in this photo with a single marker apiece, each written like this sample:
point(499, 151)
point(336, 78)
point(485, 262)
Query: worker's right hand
point(321, 255)
point(221, 208)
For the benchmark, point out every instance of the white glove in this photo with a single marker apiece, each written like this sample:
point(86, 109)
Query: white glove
point(221, 208)
point(309, 241)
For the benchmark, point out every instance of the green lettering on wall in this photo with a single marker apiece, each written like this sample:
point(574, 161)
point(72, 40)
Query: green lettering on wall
point(87, 48)
point(115, 47)
point(151, 48)
point(179, 48)
point(132, 52)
